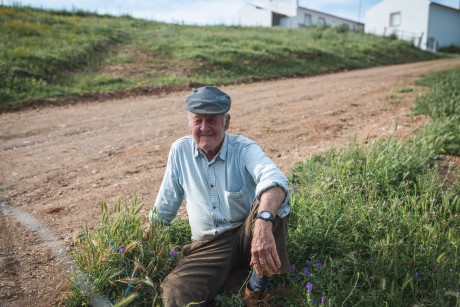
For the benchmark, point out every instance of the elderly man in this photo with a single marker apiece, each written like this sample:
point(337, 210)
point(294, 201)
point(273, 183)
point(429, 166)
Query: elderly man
point(237, 204)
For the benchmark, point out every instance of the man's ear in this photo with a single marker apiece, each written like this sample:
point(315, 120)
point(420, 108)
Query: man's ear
point(227, 123)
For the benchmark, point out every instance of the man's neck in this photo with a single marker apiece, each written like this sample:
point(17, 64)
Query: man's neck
point(210, 154)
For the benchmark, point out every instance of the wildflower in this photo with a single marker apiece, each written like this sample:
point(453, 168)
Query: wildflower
point(319, 265)
point(325, 163)
point(122, 249)
point(309, 262)
point(306, 272)
point(155, 288)
point(172, 253)
point(309, 287)
point(314, 301)
point(417, 275)
point(294, 188)
point(292, 265)
point(323, 300)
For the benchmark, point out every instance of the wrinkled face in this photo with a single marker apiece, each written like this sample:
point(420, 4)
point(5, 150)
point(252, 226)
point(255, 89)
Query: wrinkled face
point(208, 131)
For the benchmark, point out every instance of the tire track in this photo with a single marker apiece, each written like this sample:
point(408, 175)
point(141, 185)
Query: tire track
point(14, 221)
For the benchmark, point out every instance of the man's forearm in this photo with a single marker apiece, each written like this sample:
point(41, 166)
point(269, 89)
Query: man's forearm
point(271, 199)
point(264, 256)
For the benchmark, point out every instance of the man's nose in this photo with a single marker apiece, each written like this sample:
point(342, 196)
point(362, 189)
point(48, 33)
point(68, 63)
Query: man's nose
point(204, 125)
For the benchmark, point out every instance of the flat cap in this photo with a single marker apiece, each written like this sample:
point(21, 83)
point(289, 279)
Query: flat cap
point(207, 100)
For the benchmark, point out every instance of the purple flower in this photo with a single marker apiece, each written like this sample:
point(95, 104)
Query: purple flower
point(155, 287)
point(172, 253)
point(306, 272)
point(319, 265)
point(294, 188)
point(309, 287)
point(309, 262)
point(323, 300)
point(314, 301)
point(325, 163)
point(122, 249)
point(292, 265)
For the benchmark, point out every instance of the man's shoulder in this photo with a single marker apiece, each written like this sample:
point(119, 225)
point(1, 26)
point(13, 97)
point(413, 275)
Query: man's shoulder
point(183, 143)
point(239, 140)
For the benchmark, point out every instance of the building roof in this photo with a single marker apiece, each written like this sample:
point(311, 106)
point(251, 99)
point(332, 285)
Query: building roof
point(330, 15)
point(445, 6)
point(290, 10)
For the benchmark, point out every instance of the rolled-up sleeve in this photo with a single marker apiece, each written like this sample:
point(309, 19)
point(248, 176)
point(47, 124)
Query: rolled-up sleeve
point(266, 174)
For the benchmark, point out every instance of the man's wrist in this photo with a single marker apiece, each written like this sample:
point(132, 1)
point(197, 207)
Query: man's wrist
point(266, 216)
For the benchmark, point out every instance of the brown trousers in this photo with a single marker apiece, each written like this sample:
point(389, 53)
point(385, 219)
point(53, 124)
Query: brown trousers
point(202, 273)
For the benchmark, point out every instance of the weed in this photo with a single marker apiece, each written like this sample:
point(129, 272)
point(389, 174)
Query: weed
point(124, 263)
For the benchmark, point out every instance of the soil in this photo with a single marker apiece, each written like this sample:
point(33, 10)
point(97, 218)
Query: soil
point(58, 163)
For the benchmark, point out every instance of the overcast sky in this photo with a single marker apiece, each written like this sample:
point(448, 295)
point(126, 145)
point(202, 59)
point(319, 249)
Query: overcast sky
point(201, 12)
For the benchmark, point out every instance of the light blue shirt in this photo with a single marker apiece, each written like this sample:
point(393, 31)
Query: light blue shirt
point(218, 193)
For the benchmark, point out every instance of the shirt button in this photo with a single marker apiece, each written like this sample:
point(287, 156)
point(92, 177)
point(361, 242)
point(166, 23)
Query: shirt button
point(217, 225)
point(214, 207)
point(212, 186)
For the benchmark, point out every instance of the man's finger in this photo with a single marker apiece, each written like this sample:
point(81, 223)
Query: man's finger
point(276, 261)
point(258, 270)
point(271, 265)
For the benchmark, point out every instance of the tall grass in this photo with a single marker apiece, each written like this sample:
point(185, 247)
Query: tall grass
point(443, 105)
point(371, 225)
point(52, 54)
point(125, 263)
point(381, 222)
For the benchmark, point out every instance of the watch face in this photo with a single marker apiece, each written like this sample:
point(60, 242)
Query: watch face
point(265, 215)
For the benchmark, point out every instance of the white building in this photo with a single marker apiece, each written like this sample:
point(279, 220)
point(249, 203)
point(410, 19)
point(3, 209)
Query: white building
point(429, 25)
point(270, 13)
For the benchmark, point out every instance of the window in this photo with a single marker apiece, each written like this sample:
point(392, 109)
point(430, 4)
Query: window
point(395, 19)
point(321, 22)
point(307, 20)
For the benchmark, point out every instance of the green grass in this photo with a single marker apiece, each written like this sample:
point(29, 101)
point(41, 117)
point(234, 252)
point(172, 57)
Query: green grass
point(371, 225)
point(49, 56)
point(443, 105)
point(125, 263)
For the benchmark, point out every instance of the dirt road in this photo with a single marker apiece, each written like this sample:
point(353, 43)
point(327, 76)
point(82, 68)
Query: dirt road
point(58, 163)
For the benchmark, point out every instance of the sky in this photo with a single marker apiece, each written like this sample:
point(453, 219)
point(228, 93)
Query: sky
point(201, 12)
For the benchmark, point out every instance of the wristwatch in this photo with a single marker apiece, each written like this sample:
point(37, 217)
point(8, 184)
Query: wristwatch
point(266, 216)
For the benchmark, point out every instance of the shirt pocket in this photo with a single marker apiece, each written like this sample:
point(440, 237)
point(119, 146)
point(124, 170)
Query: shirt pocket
point(238, 205)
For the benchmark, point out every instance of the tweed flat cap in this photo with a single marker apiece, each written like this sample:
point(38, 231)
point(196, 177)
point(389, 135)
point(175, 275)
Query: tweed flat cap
point(207, 100)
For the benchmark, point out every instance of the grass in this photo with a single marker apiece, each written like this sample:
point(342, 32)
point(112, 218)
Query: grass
point(124, 262)
point(371, 225)
point(56, 56)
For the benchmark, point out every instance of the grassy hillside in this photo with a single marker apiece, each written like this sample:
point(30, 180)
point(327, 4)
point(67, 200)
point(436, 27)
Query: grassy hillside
point(50, 55)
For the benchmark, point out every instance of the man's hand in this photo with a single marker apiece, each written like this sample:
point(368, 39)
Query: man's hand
point(264, 256)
